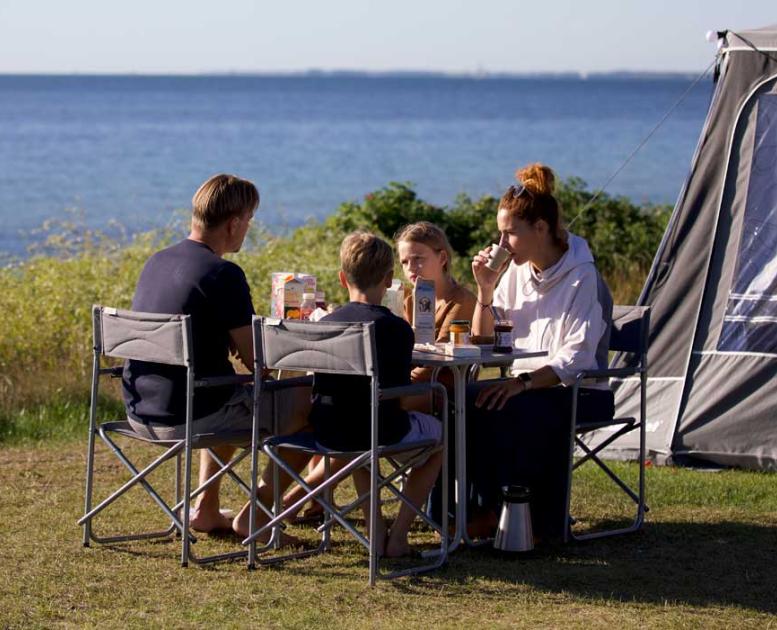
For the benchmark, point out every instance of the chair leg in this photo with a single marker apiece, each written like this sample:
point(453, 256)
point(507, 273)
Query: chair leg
point(638, 499)
point(326, 535)
point(178, 482)
point(187, 487)
point(138, 478)
point(88, 490)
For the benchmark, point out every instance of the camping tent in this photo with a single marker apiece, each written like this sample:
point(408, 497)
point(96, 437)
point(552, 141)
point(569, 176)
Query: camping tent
point(712, 392)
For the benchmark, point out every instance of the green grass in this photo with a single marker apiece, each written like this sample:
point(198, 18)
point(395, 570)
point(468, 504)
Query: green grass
point(706, 558)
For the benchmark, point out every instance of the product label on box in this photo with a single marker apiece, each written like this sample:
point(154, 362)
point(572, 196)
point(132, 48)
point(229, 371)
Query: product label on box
point(423, 311)
point(287, 290)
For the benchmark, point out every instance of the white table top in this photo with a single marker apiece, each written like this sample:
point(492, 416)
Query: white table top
point(487, 357)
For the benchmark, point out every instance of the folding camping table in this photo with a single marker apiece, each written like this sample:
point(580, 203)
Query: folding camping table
point(460, 366)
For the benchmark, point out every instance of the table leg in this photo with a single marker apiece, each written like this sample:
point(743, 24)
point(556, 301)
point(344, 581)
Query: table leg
point(460, 488)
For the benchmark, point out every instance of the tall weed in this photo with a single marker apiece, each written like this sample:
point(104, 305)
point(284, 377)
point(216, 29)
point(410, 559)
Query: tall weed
point(46, 300)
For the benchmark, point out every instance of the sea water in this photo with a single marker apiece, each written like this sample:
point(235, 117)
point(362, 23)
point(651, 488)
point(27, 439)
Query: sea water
point(133, 149)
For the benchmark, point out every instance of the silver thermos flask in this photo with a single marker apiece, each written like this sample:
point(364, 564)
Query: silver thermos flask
point(514, 532)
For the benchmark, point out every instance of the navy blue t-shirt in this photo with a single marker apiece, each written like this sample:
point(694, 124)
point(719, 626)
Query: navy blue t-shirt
point(345, 423)
point(189, 279)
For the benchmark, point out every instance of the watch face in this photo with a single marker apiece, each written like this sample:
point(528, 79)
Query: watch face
point(525, 377)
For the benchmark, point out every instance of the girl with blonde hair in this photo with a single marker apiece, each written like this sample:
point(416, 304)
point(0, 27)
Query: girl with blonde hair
point(424, 252)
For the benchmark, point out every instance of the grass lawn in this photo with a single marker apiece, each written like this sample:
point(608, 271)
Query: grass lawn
point(706, 558)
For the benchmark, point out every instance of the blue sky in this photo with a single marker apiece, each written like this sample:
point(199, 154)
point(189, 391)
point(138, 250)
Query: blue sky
point(176, 36)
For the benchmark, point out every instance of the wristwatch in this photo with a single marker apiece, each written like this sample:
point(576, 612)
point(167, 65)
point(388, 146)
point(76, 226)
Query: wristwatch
point(525, 378)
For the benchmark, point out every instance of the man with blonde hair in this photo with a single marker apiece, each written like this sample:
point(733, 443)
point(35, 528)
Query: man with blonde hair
point(192, 278)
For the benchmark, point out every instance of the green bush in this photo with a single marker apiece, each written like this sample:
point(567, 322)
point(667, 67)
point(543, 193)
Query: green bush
point(46, 299)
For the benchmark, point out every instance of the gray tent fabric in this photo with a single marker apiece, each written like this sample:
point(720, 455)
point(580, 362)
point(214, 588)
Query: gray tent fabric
point(712, 393)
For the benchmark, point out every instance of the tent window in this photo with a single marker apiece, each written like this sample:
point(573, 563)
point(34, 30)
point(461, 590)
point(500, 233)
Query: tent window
point(750, 322)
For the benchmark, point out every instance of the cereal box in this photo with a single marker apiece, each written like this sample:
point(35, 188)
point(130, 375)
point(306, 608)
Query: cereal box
point(287, 290)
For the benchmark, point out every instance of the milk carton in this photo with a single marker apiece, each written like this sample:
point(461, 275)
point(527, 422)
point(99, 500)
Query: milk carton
point(287, 290)
point(423, 311)
point(394, 299)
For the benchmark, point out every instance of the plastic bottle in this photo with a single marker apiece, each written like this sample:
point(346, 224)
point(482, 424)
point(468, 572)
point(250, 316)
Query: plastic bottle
point(308, 305)
point(320, 301)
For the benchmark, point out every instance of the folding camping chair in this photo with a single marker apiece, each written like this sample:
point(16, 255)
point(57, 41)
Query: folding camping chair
point(164, 339)
point(347, 349)
point(629, 334)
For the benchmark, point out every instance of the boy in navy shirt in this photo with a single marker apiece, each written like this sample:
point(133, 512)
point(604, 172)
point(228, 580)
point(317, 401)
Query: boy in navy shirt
point(367, 265)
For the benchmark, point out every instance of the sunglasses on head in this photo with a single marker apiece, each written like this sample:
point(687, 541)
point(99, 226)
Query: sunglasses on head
point(520, 189)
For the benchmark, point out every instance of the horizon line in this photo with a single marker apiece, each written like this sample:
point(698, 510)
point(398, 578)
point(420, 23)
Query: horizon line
point(316, 72)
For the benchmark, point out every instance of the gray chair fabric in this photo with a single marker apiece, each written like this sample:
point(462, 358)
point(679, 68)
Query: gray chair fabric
point(326, 347)
point(347, 349)
point(143, 336)
point(629, 328)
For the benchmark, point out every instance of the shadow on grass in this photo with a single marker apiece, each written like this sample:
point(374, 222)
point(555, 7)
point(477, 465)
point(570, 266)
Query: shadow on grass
point(701, 564)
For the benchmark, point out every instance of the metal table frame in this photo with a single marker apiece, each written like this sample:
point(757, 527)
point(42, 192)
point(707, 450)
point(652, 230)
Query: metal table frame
point(460, 366)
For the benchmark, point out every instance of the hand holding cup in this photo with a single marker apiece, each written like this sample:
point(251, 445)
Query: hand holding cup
point(497, 257)
point(487, 264)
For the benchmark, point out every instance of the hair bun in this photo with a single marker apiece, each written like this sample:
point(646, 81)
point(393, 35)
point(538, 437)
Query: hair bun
point(537, 178)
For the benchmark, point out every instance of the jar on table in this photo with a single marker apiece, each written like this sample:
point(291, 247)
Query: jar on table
point(503, 336)
point(459, 332)
point(308, 306)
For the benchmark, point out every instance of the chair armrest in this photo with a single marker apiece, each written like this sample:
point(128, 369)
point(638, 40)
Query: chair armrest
point(287, 383)
point(409, 390)
point(220, 381)
point(609, 372)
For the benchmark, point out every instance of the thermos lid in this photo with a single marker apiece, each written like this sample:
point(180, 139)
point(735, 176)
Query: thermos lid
point(516, 494)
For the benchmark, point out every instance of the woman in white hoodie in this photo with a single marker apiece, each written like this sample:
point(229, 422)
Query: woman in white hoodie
point(551, 292)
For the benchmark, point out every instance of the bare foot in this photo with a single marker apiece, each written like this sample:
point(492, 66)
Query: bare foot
point(209, 520)
point(240, 527)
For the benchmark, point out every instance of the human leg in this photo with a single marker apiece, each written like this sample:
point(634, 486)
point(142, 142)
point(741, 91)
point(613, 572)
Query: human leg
point(266, 494)
point(315, 477)
point(361, 480)
point(527, 443)
point(206, 515)
point(419, 483)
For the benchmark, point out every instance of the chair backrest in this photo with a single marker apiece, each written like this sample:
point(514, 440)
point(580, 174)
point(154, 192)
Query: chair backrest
point(630, 326)
point(148, 337)
point(330, 347)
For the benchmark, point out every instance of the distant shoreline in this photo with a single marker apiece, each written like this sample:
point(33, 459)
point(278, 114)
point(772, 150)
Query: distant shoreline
point(387, 74)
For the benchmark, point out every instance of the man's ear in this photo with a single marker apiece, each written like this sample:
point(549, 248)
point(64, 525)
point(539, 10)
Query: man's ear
point(389, 279)
point(342, 278)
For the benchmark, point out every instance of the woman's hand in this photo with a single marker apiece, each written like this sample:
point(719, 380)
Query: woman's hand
point(495, 396)
point(484, 277)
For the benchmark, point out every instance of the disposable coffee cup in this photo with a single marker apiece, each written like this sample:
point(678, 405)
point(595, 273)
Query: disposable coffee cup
point(497, 257)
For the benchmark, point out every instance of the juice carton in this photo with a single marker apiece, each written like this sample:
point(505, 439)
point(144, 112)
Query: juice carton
point(287, 290)
point(423, 311)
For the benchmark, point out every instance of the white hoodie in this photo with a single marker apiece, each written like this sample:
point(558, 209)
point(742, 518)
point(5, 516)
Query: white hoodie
point(566, 310)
